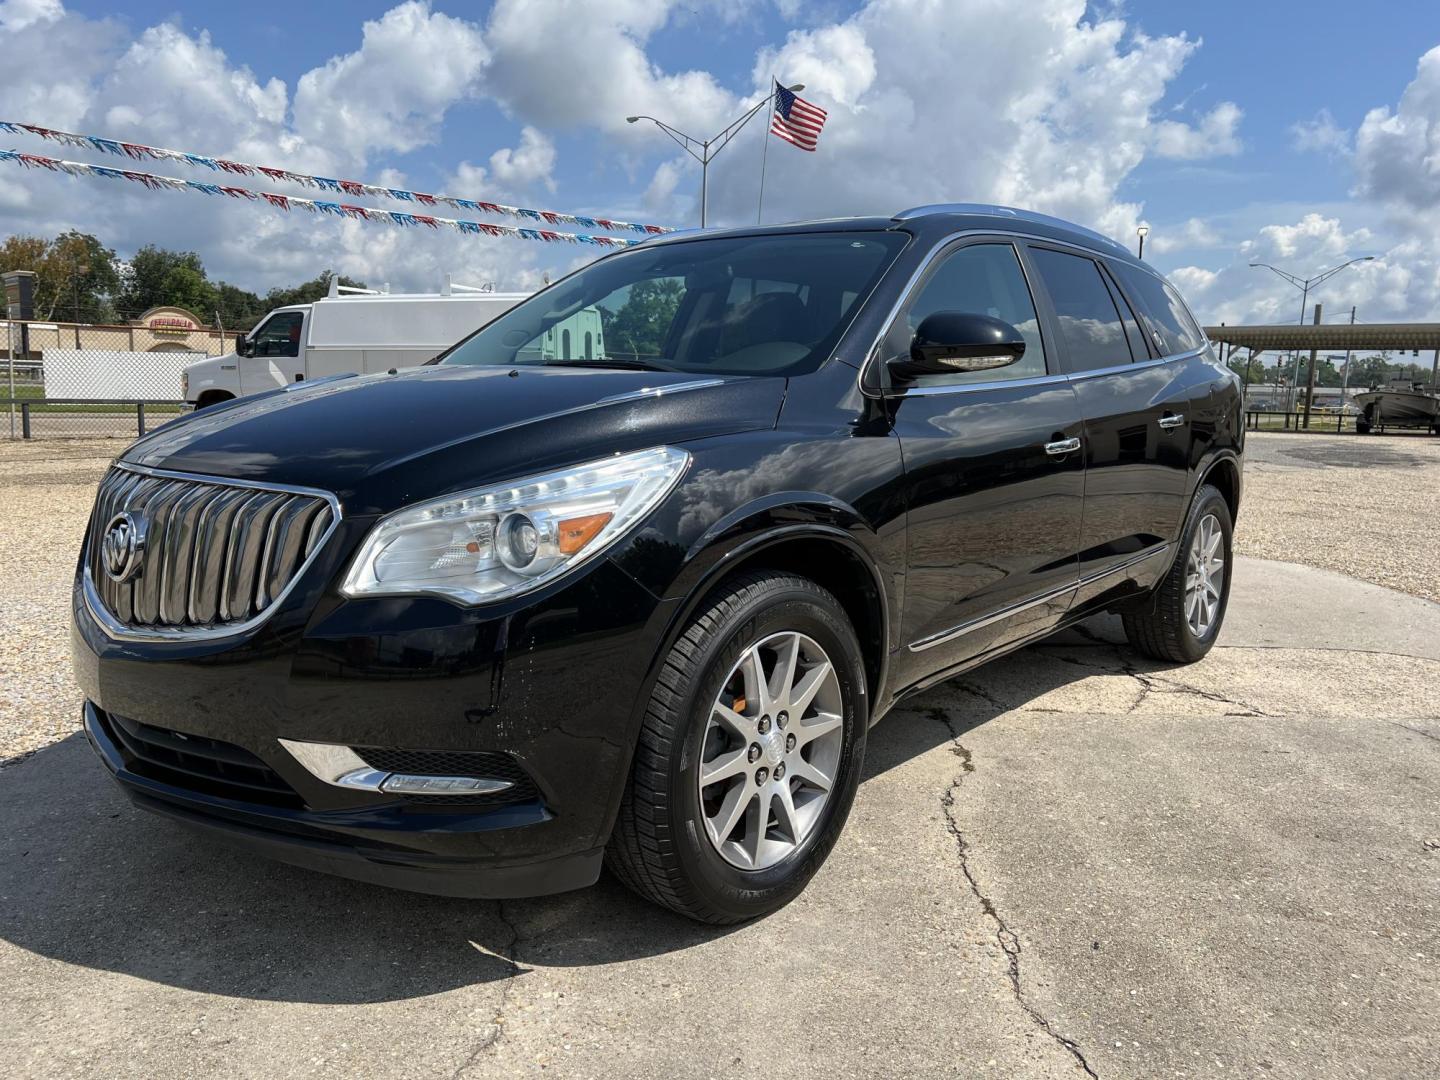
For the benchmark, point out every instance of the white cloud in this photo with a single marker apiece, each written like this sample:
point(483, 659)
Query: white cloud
point(1320, 134)
point(1397, 153)
point(1314, 236)
point(1191, 234)
point(169, 88)
point(16, 15)
point(392, 93)
point(1214, 136)
point(569, 64)
point(1050, 109)
point(527, 165)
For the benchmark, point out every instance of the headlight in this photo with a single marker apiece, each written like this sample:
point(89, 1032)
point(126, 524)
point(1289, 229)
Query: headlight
point(496, 542)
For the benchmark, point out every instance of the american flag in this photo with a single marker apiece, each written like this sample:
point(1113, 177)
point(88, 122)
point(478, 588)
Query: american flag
point(795, 120)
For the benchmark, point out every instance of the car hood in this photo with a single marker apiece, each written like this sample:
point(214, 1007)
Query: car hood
point(382, 441)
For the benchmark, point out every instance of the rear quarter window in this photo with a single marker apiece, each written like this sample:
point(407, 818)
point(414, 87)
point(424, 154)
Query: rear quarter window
point(1161, 309)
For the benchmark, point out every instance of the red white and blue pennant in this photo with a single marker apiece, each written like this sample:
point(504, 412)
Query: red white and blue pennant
point(314, 206)
point(141, 152)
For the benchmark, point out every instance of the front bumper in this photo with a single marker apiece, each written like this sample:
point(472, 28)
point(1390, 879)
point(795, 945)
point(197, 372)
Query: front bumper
point(552, 687)
point(357, 844)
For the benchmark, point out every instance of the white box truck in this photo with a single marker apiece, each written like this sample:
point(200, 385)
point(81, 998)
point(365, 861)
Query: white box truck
point(351, 330)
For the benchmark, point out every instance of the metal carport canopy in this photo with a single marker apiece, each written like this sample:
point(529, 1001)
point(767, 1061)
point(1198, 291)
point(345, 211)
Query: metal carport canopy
point(1339, 336)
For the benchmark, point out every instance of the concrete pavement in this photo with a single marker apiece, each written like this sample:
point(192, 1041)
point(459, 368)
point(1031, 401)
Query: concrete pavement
point(1068, 862)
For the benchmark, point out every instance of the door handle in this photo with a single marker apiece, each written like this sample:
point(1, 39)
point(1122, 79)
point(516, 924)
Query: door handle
point(1062, 446)
point(1171, 420)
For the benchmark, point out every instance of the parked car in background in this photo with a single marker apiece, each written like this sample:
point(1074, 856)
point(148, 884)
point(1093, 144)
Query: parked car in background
point(351, 331)
point(475, 627)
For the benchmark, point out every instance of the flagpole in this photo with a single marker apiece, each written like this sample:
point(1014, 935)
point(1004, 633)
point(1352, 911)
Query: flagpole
point(765, 152)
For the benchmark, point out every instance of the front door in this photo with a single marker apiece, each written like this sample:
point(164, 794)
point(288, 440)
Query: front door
point(994, 477)
point(275, 359)
point(1136, 408)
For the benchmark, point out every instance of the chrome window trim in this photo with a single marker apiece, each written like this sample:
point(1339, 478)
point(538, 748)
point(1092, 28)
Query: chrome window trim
point(118, 631)
point(1035, 601)
point(963, 388)
point(872, 358)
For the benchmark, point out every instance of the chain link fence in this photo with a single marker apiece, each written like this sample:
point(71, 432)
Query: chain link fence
point(86, 381)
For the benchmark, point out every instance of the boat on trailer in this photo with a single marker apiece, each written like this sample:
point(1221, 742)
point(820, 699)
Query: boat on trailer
point(1401, 405)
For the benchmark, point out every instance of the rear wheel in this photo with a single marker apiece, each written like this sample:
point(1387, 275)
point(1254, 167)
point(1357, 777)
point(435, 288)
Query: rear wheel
point(1183, 619)
point(749, 753)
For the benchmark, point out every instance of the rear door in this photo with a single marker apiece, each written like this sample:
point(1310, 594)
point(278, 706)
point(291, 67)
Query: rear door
point(993, 476)
point(1135, 407)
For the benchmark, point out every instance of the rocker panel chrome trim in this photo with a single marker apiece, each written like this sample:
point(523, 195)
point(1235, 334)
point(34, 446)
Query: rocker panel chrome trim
point(1044, 598)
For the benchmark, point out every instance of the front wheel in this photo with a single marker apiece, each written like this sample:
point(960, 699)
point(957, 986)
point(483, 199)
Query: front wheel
point(1183, 619)
point(749, 753)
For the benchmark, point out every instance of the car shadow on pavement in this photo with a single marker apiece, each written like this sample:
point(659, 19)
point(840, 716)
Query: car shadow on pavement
point(88, 879)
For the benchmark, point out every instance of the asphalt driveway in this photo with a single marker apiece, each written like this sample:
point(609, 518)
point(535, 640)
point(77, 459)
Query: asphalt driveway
point(1069, 862)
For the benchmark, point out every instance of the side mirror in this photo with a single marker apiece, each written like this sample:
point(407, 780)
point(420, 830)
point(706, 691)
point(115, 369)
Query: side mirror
point(245, 347)
point(955, 341)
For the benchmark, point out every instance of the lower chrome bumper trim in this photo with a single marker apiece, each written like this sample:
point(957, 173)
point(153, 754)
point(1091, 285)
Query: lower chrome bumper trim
point(343, 767)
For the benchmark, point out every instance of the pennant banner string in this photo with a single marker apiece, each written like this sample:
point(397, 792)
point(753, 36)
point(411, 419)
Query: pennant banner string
point(314, 206)
point(140, 152)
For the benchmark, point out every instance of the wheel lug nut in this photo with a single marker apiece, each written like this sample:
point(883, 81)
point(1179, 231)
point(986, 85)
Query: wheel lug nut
point(761, 775)
point(780, 771)
point(782, 719)
point(754, 752)
point(789, 743)
point(764, 724)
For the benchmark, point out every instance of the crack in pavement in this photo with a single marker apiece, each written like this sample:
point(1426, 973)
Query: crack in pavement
point(1008, 940)
point(1418, 731)
point(1151, 683)
point(511, 956)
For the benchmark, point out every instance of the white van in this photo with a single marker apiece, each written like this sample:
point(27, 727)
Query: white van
point(351, 330)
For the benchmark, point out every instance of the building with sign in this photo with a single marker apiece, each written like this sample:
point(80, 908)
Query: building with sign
point(161, 329)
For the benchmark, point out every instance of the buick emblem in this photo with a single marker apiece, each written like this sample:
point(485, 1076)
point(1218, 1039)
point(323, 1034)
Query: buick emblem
point(122, 546)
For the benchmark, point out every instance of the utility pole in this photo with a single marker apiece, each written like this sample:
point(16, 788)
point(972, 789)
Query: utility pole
point(1345, 381)
point(1310, 379)
point(710, 147)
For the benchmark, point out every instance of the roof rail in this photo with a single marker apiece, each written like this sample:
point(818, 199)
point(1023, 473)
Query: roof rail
point(336, 289)
point(452, 286)
point(992, 210)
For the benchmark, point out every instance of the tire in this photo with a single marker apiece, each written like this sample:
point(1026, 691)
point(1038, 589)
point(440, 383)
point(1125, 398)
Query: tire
point(213, 398)
point(662, 844)
point(1163, 629)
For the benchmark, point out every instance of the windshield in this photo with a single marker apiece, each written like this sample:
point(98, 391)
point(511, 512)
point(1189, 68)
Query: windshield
point(749, 305)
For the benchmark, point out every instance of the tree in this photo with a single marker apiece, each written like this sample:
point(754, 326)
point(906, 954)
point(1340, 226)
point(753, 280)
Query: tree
point(640, 325)
point(237, 308)
point(76, 277)
point(308, 292)
point(156, 277)
point(1256, 365)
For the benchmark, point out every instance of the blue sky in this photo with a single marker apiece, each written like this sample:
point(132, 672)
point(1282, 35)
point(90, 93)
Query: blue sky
point(1182, 116)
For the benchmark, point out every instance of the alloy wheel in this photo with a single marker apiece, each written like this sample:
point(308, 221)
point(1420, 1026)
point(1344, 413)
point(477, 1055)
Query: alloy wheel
point(771, 751)
point(1204, 576)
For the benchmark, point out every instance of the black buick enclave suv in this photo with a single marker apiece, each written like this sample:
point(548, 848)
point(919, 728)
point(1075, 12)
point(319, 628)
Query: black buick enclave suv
point(629, 573)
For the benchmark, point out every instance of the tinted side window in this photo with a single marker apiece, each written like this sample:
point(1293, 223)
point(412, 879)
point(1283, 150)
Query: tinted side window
point(280, 336)
point(982, 279)
point(1133, 333)
point(1089, 322)
point(1170, 324)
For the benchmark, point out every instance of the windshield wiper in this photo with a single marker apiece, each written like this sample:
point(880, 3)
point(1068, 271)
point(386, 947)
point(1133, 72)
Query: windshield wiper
point(627, 365)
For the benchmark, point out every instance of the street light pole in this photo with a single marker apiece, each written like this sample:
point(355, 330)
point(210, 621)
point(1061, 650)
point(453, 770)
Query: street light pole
point(1142, 231)
point(710, 148)
point(1305, 285)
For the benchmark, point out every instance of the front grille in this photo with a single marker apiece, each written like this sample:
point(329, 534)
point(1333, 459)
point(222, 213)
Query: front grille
point(199, 764)
point(491, 765)
point(215, 554)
